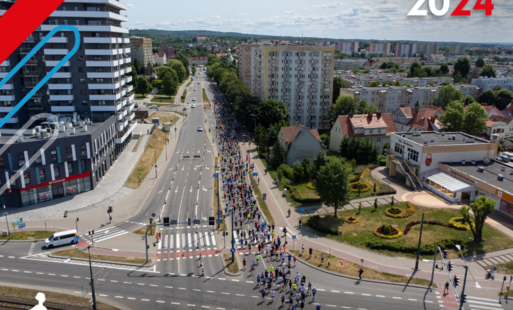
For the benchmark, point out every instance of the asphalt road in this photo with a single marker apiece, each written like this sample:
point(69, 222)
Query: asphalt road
point(177, 283)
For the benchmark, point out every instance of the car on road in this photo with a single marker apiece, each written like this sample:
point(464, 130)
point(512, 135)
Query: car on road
point(195, 89)
point(145, 102)
point(193, 106)
point(199, 82)
point(153, 107)
point(61, 238)
point(193, 99)
point(136, 105)
point(200, 128)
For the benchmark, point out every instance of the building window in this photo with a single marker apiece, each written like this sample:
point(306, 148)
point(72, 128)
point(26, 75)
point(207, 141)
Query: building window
point(70, 168)
point(42, 175)
point(26, 177)
point(83, 165)
point(69, 153)
point(13, 179)
point(56, 171)
point(53, 155)
point(83, 151)
point(1, 161)
point(21, 159)
point(79, 58)
point(38, 159)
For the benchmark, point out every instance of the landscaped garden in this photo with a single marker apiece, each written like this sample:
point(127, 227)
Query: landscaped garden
point(162, 99)
point(394, 230)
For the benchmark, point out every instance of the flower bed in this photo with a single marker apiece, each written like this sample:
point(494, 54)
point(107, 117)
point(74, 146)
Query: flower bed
point(395, 233)
point(392, 212)
point(351, 220)
point(411, 224)
point(364, 187)
point(455, 223)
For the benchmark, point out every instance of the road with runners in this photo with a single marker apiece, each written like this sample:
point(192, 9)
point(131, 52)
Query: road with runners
point(175, 279)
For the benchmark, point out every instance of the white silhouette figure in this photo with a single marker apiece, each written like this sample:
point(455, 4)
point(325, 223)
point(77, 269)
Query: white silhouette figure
point(41, 298)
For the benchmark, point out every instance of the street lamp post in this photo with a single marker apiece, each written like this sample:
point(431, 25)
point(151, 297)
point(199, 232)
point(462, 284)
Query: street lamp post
point(76, 225)
point(6, 222)
point(92, 281)
point(155, 152)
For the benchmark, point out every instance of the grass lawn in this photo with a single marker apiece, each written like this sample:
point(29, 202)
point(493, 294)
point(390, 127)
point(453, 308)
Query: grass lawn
point(165, 117)
point(208, 106)
point(351, 269)
point(262, 204)
point(233, 267)
point(142, 231)
point(52, 297)
point(184, 95)
point(163, 99)
point(205, 97)
point(506, 268)
point(358, 234)
point(139, 97)
point(27, 235)
point(84, 254)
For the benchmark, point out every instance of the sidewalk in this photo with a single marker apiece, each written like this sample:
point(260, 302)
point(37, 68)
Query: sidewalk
point(278, 207)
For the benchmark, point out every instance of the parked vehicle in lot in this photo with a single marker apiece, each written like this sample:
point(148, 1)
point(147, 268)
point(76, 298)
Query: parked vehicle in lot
point(61, 238)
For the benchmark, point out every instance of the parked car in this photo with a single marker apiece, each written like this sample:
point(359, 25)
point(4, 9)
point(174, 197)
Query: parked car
point(145, 102)
point(193, 99)
point(200, 128)
point(154, 107)
point(136, 105)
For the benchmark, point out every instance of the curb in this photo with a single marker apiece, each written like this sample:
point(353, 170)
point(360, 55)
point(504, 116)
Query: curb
point(21, 241)
point(363, 279)
point(225, 269)
point(104, 261)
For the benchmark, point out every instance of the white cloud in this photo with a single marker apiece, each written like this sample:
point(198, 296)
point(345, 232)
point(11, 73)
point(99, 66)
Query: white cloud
point(164, 23)
point(331, 5)
point(389, 7)
point(242, 14)
point(289, 12)
point(139, 22)
point(130, 5)
point(216, 17)
point(307, 9)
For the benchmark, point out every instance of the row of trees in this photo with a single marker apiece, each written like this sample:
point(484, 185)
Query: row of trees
point(471, 120)
point(497, 96)
point(345, 105)
point(361, 150)
point(417, 70)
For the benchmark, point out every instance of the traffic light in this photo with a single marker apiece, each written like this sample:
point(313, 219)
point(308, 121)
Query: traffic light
point(211, 220)
point(449, 266)
point(109, 210)
point(456, 281)
point(445, 254)
point(166, 221)
point(189, 221)
point(463, 298)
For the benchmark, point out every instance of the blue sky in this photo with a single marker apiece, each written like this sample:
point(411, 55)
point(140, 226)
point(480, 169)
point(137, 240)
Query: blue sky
point(342, 19)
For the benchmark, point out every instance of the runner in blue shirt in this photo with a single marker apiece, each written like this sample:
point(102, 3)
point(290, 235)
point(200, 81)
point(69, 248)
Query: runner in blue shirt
point(318, 307)
point(258, 280)
point(263, 294)
point(314, 291)
point(290, 257)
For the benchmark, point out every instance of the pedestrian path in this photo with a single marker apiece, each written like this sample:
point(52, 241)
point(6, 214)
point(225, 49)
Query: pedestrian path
point(500, 259)
point(478, 303)
point(188, 240)
point(103, 234)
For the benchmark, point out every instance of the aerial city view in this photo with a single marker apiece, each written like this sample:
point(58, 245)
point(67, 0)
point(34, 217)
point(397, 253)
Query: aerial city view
point(256, 155)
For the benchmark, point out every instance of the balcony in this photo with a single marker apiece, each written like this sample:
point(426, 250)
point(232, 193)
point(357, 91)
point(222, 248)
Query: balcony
point(84, 28)
point(128, 60)
point(24, 50)
point(105, 108)
point(102, 52)
point(129, 88)
point(128, 70)
point(56, 51)
point(29, 39)
point(102, 75)
point(53, 63)
point(70, 108)
point(132, 116)
point(60, 86)
point(3, 74)
point(128, 79)
point(113, 63)
point(31, 62)
point(30, 73)
point(7, 87)
point(29, 84)
point(60, 75)
point(114, 3)
point(58, 40)
point(62, 97)
point(127, 50)
point(105, 97)
point(6, 97)
point(103, 40)
point(5, 109)
point(119, 116)
point(125, 124)
point(90, 14)
point(131, 107)
point(6, 63)
point(12, 120)
point(130, 98)
point(124, 132)
point(125, 112)
point(104, 86)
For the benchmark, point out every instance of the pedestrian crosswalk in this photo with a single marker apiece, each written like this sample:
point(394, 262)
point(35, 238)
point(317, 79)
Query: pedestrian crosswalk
point(103, 234)
point(180, 241)
point(479, 303)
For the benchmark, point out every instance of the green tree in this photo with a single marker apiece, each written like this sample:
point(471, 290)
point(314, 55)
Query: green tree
point(148, 69)
point(487, 97)
point(345, 105)
point(480, 62)
point(169, 85)
point(375, 203)
point(452, 119)
point(332, 185)
point(273, 112)
point(503, 98)
point(462, 66)
point(338, 83)
point(468, 100)
point(320, 161)
point(444, 68)
point(157, 84)
point(374, 84)
point(299, 173)
point(481, 208)
point(179, 69)
point(488, 71)
point(261, 138)
point(137, 66)
point(143, 86)
point(446, 95)
point(475, 119)
point(278, 155)
point(279, 175)
point(307, 168)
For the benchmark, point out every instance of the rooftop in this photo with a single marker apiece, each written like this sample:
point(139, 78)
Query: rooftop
point(438, 138)
point(489, 174)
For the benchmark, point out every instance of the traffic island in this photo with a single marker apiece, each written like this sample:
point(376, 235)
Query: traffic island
point(23, 298)
point(231, 268)
point(132, 261)
point(27, 235)
point(338, 266)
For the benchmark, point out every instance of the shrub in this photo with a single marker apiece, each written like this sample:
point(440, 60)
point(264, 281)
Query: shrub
point(411, 224)
point(386, 189)
point(425, 249)
point(392, 211)
point(365, 173)
point(381, 231)
point(355, 179)
point(351, 220)
point(457, 222)
point(395, 210)
point(359, 187)
point(288, 171)
point(310, 185)
point(296, 195)
point(387, 229)
point(316, 223)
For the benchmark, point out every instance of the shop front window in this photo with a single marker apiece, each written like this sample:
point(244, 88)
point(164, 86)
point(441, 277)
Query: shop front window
point(70, 168)
point(69, 153)
point(42, 176)
point(26, 177)
point(56, 171)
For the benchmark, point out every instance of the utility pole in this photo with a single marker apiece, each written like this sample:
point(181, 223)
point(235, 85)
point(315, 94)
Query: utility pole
point(463, 296)
point(155, 152)
point(92, 281)
point(233, 241)
point(76, 225)
point(6, 222)
point(420, 241)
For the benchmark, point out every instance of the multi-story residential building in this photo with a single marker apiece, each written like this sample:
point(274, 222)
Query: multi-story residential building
point(374, 74)
point(301, 76)
point(397, 60)
point(380, 48)
point(142, 49)
point(486, 83)
point(347, 47)
point(432, 48)
point(457, 49)
point(348, 64)
point(408, 119)
point(160, 59)
point(168, 50)
point(376, 127)
point(366, 80)
point(405, 49)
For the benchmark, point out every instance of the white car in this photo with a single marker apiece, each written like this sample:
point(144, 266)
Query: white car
point(145, 102)
point(193, 106)
point(61, 238)
point(153, 107)
point(193, 99)
point(200, 128)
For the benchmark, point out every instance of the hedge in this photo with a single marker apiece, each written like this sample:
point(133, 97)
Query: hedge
point(294, 193)
point(386, 189)
point(378, 233)
point(425, 249)
point(315, 223)
point(454, 222)
point(288, 171)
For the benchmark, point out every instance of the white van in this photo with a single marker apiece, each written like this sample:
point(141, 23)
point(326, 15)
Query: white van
point(61, 238)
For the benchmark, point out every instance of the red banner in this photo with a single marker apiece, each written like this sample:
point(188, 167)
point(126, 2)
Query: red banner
point(78, 176)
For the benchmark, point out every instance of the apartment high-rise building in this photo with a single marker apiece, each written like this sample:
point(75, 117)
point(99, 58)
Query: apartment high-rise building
point(168, 50)
point(92, 85)
point(379, 48)
point(301, 76)
point(142, 49)
point(405, 49)
point(432, 48)
point(347, 47)
point(457, 49)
